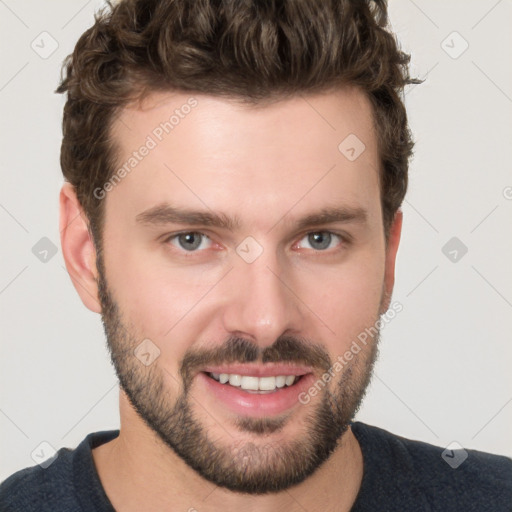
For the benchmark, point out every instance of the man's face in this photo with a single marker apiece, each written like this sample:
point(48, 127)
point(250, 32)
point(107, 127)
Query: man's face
point(245, 245)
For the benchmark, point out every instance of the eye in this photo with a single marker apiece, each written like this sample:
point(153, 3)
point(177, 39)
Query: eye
point(190, 241)
point(320, 240)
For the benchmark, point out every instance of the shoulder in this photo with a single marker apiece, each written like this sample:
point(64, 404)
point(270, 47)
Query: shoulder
point(68, 479)
point(451, 478)
point(30, 488)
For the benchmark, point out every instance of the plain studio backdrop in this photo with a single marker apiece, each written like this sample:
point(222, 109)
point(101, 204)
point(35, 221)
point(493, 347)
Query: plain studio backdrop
point(444, 370)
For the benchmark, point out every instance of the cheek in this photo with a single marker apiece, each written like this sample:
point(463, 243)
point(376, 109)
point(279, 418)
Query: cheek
point(157, 299)
point(350, 298)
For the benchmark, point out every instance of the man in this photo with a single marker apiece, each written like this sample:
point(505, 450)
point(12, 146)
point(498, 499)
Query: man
point(234, 175)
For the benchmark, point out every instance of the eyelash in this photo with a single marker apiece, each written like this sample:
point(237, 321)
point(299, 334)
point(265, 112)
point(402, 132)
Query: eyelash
point(342, 240)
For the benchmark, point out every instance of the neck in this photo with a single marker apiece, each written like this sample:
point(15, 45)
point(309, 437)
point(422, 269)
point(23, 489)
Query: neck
point(139, 472)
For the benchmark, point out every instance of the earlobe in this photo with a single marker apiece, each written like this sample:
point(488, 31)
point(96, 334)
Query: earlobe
point(391, 250)
point(78, 248)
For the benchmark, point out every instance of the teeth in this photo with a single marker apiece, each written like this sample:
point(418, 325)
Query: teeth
point(289, 380)
point(267, 383)
point(235, 380)
point(251, 383)
point(280, 381)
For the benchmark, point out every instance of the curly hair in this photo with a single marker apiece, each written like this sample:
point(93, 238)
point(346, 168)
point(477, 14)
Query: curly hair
point(251, 50)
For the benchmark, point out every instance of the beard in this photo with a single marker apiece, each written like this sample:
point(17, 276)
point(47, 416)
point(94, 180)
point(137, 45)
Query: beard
point(257, 466)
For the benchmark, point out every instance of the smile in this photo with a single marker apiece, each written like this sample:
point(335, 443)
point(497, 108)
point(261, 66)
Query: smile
point(254, 384)
point(254, 389)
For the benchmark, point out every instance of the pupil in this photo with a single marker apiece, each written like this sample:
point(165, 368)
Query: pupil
point(190, 241)
point(320, 240)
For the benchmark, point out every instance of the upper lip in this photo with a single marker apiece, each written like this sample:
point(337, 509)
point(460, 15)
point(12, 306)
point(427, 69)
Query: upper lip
point(266, 370)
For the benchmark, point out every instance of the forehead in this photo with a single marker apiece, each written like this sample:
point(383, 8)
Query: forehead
point(220, 154)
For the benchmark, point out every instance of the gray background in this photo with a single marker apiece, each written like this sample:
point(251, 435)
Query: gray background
point(444, 370)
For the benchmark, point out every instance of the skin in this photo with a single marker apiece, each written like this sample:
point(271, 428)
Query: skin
point(268, 166)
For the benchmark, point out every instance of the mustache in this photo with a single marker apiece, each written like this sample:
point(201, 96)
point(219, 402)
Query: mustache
point(286, 349)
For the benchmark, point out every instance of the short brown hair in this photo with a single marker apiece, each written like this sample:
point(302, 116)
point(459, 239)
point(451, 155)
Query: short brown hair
point(251, 50)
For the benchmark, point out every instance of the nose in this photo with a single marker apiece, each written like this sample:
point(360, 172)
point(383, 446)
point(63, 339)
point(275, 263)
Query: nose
point(260, 302)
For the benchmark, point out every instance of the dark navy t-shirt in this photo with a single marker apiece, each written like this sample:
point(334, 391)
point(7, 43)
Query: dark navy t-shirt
point(399, 475)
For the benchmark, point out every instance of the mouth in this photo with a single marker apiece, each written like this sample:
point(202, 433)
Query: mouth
point(256, 391)
point(254, 384)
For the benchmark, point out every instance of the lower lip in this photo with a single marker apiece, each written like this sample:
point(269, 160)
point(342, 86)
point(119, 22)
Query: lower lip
point(256, 404)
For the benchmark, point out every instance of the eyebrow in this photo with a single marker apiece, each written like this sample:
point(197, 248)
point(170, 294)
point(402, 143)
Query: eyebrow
point(166, 214)
point(330, 215)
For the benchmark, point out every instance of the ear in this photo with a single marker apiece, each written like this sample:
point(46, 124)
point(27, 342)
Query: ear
point(78, 248)
point(391, 250)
